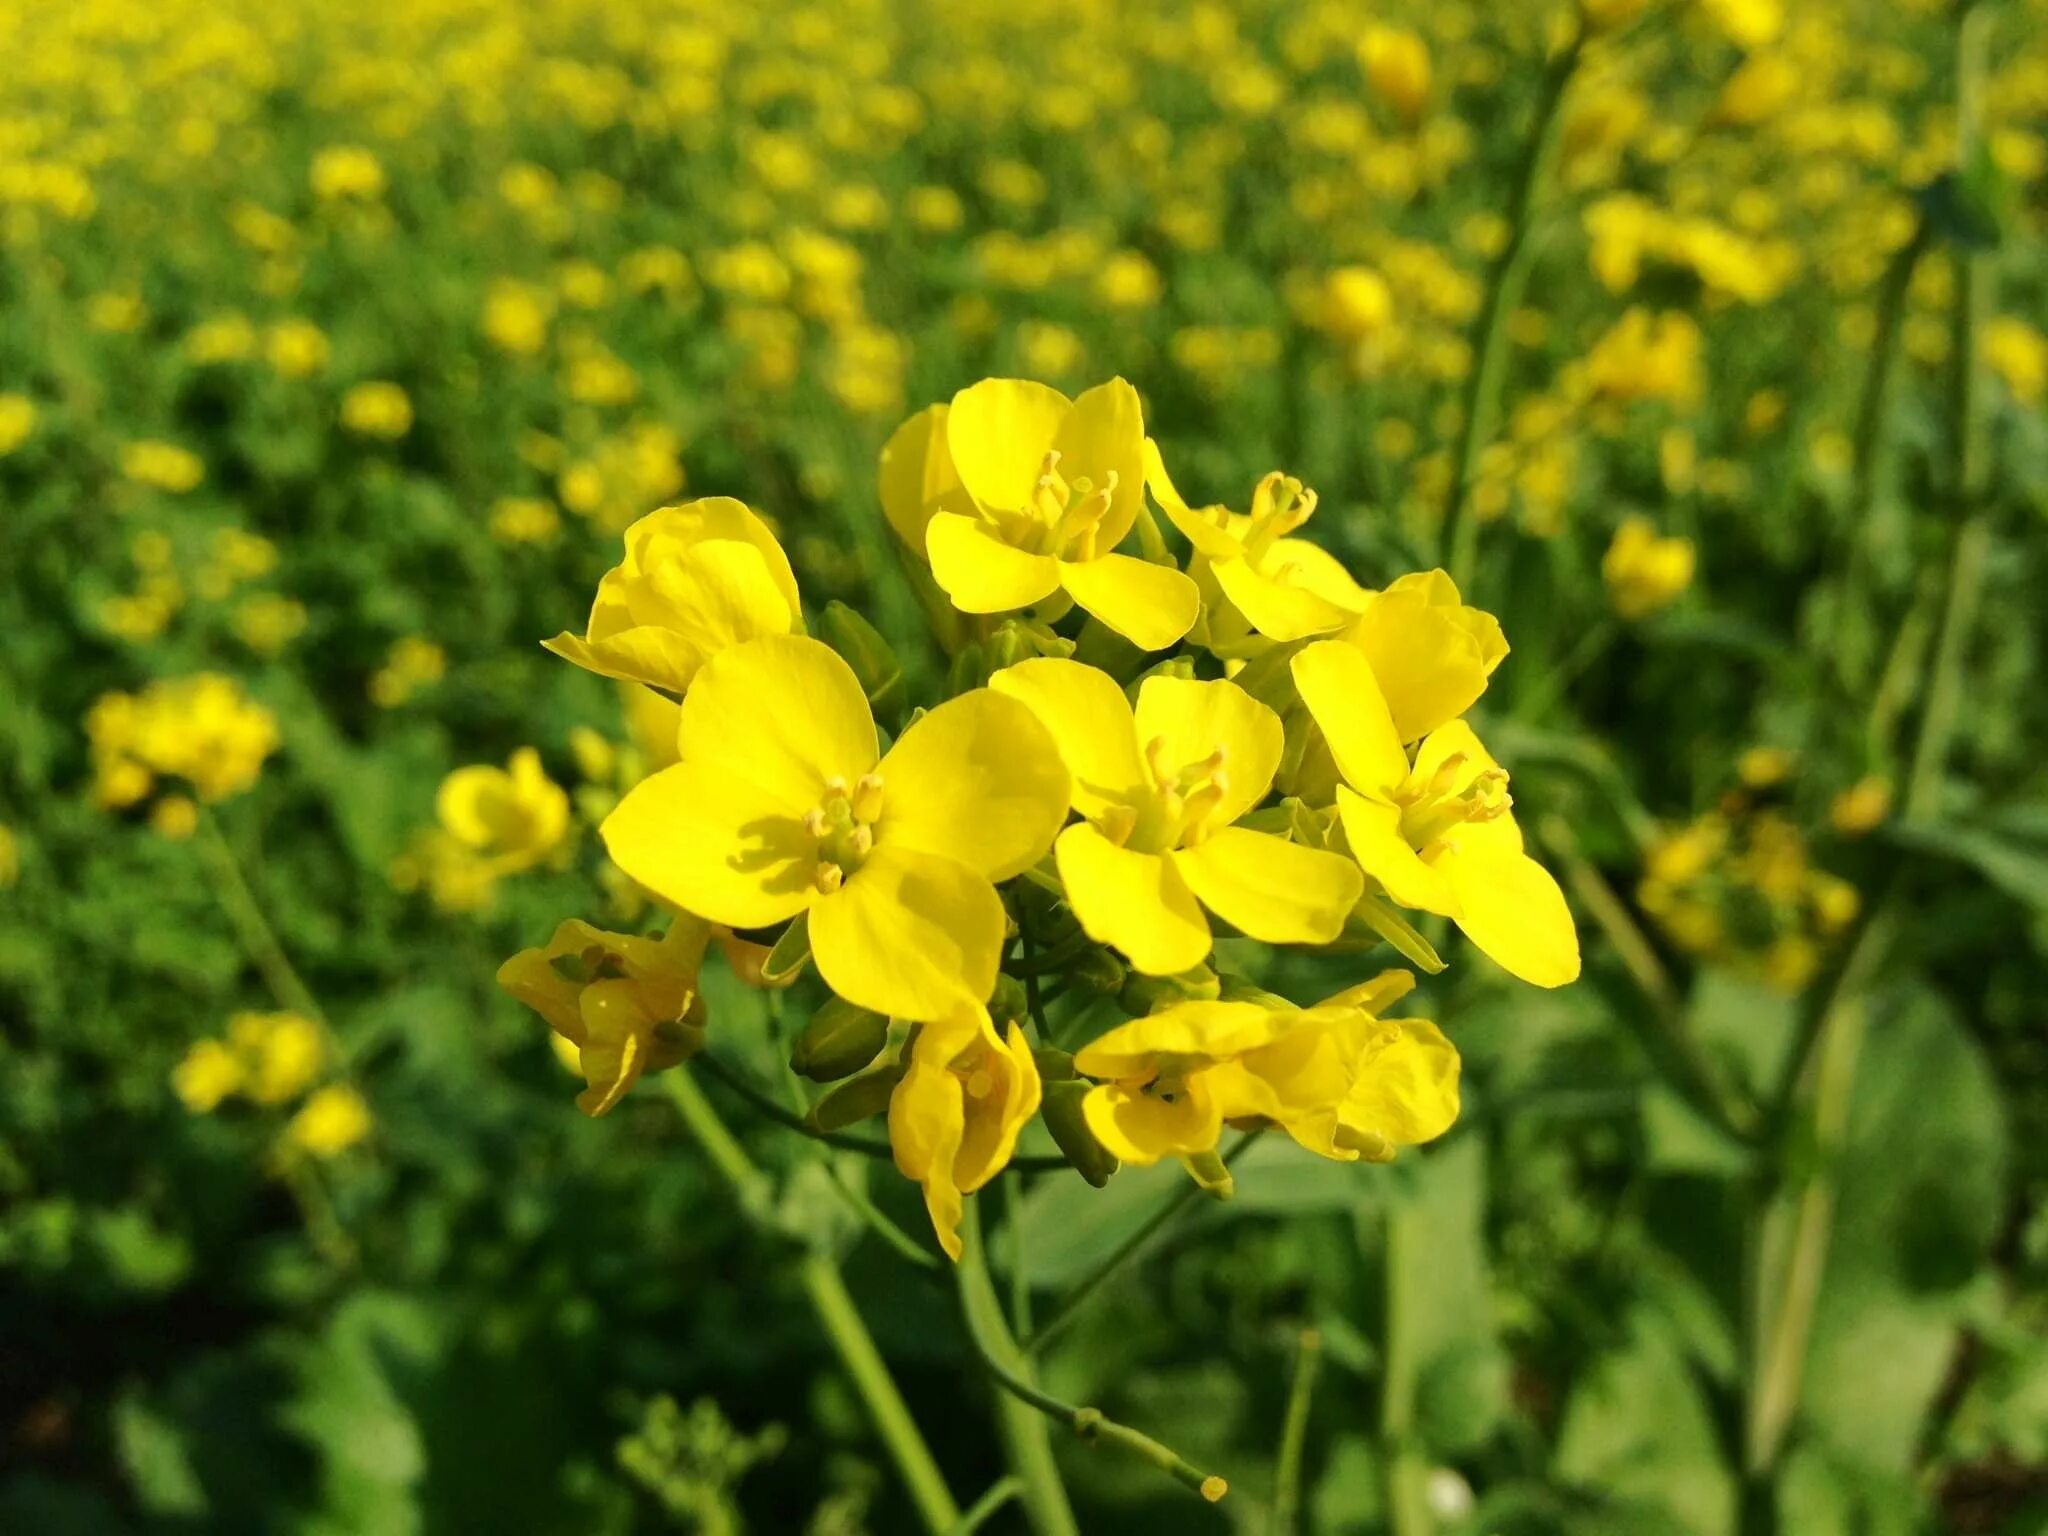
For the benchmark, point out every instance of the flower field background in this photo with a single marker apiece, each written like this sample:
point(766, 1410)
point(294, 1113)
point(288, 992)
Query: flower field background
point(1700, 341)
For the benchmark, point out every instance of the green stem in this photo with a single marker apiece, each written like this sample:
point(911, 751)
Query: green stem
point(1407, 1471)
point(905, 1246)
point(832, 1305)
point(1010, 1370)
point(1069, 1305)
point(1550, 688)
point(984, 1509)
point(1294, 1435)
point(1504, 290)
point(259, 939)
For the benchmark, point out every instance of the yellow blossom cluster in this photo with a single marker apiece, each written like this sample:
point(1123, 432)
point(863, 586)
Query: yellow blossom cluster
point(273, 1059)
point(203, 730)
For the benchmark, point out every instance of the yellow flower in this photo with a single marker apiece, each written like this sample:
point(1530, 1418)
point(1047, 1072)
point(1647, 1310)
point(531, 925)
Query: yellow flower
point(516, 317)
point(1254, 577)
point(162, 466)
point(296, 349)
point(1862, 807)
point(696, 580)
point(10, 858)
point(1437, 834)
point(174, 817)
point(281, 1053)
point(780, 806)
point(17, 421)
point(1396, 65)
point(1430, 653)
point(1645, 573)
point(1763, 767)
point(955, 1114)
point(346, 171)
point(203, 729)
point(1014, 493)
point(330, 1122)
point(2018, 354)
point(1357, 305)
point(513, 817)
point(378, 408)
point(208, 1074)
point(1159, 790)
point(524, 520)
point(626, 1005)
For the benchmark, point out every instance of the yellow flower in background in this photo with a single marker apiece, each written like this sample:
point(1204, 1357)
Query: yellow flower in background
point(1396, 65)
point(1862, 807)
point(413, 662)
point(1764, 767)
point(524, 520)
point(1159, 789)
point(1255, 578)
point(162, 466)
point(174, 817)
point(1747, 23)
point(1356, 305)
point(512, 817)
point(2018, 354)
point(203, 729)
point(17, 421)
point(343, 171)
point(377, 408)
point(696, 580)
point(330, 1122)
point(1645, 573)
point(626, 1005)
point(207, 1075)
point(1648, 356)
point(10, 858)
point(516, 317)
point(782, 804)
point(281, 1054)
point(1437, 834)
point(1014, 493)
point(955, 1114)
point(229, 338)
point(296, 349)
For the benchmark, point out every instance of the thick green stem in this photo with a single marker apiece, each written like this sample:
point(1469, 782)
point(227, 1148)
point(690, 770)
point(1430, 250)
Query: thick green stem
point(1294, 1435)
point(833, 1307)
point(1504, 290)
point(1407, 1471)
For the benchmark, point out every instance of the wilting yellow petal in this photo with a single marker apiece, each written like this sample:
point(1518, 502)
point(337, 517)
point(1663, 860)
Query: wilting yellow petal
point(785, 714)
point(1336, 682)
point(1135, 902)
point(982, 574)
point(1091, 724)
point(978, 780)
point(999, 432)
point(1151, 606)
point(1193, 719)
point(711, 842)
point(911, 935)
point(1269, 888)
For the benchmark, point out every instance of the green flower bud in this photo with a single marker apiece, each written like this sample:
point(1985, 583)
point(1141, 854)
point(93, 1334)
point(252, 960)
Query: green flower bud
point(1054, 1064)
point(1060, 1108)
point(857, 1099)
point(872, 658)
point(1098, 971)
point(840, 1040)
point(1148, 994)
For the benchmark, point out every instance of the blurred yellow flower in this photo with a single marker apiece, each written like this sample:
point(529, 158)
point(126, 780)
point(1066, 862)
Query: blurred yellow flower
point(174, 817)
point(346, 171)
point(516, 317)
point(524, 520)
point(330, 1122)
point(10, 858)
point(2018, 354)
point(377, 408)
point(296, 349)
point(17, 421)
point(282, 1053)
point(162, 466)
point(1644, 572)
point(1862, 807)
point(1396, 65)
point(207, 1075)
point(512, 817)
point(413, 662)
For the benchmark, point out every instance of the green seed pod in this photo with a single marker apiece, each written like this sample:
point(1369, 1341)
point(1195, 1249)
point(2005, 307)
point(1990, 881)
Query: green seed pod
point(1061, 1110)
point(839, 1041)
point(872, 658)
point(856, 1099)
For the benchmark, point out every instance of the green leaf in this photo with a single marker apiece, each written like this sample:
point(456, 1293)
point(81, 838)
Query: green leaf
point(2010, 849)
point(155, 1458)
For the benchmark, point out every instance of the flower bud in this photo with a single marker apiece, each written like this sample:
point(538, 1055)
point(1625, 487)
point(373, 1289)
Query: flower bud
point(1061, 1110)
point(856, 1099)
point(1148, 994)
point(839, 1041)
point(1009, 1002)
point(1098, 971)
point(872, 658)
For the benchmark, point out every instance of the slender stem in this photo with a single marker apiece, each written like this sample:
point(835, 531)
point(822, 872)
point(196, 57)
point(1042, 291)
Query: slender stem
point(1407, 1473)
point(1308, 1356)
point(1545, 692)
point(905, 1246)
point(1069, 1305)
point(1504, 289)
point(1008, 1368)
point(1699, 1081)
point(259, 939)
point(833, 1306)
point(1020, 1273)
point(984, 1509)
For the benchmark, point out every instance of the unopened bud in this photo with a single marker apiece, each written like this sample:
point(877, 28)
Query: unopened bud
point(872, 658)
point(1148, 994)
point(839, 1041)
point(856, 1099)
point(1060, 1108)
point(1009, 1002)
point(1098, 971)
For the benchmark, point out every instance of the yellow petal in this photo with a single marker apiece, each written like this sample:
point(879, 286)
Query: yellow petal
point(1151, 606)
point(1277, 609)
point(978, 780)
point(910, 935)
point(1198, 1032)
point(1314, 568)
point(666, 532)
point(926, 1120)
point(660, 658)
point(785, 714)
point(916, 477)
point(1269, 888)
point(1336, 682)
point(1372, 829)
point(1457, 740)
point(1139, 1127)
point(1209, 535)
point(1103, 435)
point(1406, 1090)
point(1193, 719)
point(1135, 902)
point(713, 843)
point(1513, 910)
point(1431, 653)
point(995, 1119)
point(982, 574)
point(1091, 724)
point(999, 432)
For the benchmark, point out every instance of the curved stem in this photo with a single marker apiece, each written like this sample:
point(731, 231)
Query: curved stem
point(1069, 1305)
point(1008, 1368)
point(984, 1509)
point(1294, 1435)
point(833, 1306)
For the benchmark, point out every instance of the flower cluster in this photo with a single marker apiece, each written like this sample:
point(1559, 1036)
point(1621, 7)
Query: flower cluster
point(202, 729)
point(272, 1059)
point(1132, 751)
point(490, 822)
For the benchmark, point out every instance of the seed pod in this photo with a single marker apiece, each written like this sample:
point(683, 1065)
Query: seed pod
point(1061, 1110)
point(839, 1040)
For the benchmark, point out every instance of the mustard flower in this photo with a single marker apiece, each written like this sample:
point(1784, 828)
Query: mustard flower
point(512, 817)
point(955, 1114)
